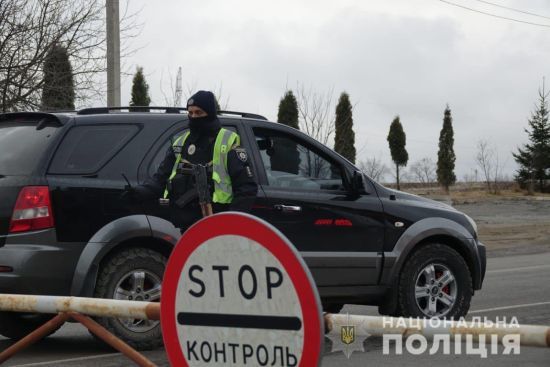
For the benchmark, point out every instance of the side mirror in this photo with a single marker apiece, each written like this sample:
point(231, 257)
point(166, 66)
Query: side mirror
point(357, 184)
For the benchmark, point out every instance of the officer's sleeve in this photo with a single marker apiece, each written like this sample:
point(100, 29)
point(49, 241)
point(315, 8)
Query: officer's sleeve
point(157, 183)
point(243, 181)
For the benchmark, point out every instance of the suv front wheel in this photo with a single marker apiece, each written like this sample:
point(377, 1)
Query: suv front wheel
point(134, 274)
point(435, 282)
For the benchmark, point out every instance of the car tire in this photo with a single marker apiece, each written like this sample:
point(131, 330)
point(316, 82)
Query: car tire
point(133, 274)
point(435, 282)
point(15, 325)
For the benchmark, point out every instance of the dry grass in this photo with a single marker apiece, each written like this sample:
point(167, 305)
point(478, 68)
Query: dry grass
point(462, 193)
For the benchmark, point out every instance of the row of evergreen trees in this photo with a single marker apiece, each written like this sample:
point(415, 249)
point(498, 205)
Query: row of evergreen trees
point(344, 140)
point(58, 85)
point(533, 158)
point(446, 157)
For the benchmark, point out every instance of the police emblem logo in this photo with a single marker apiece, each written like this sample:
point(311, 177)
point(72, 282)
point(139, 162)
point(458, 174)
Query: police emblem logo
point(191, 150)
point(347, 340)
point(347, 334)
point(241, 154)
point(190, 102)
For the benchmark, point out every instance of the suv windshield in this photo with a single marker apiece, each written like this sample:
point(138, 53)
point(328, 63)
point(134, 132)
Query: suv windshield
point(21, 147)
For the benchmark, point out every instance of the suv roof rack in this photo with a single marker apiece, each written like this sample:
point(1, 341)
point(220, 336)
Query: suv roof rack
point(106, 110)
point(243, 114)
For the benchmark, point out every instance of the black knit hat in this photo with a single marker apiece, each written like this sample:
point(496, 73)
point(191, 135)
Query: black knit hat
point(206, 101)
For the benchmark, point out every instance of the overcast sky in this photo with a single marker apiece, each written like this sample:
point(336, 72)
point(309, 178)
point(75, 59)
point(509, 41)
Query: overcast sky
point(394, 57)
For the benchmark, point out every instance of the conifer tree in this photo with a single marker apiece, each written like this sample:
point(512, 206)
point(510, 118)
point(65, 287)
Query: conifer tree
point(446, 156)
point(140, 90)
point(288, 110)
point(286, 157)
point(58, 88)
point(344, 139)
point(534, 157)
point(397, 141)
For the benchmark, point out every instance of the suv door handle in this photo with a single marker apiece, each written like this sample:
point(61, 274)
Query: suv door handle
point(287, 208)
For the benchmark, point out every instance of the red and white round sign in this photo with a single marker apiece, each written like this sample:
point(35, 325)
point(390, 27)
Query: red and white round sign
point(236, 292)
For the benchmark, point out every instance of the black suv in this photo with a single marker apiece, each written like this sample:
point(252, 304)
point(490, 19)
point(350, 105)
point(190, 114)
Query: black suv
point(64, 231)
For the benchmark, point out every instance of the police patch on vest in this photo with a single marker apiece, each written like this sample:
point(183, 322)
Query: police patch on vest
point(191, 150)
point(241, 154)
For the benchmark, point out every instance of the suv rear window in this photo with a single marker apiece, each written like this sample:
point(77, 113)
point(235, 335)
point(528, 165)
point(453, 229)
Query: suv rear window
point(22, 146)
point(86, 149)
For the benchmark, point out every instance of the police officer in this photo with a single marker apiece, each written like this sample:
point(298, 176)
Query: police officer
point(231, 182)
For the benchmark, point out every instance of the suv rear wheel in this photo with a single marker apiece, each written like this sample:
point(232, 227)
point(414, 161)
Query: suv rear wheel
point(435, 282)
point(134, 274)
point(15, 325)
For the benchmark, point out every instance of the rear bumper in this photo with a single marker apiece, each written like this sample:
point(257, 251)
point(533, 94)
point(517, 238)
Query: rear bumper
point(40, 264)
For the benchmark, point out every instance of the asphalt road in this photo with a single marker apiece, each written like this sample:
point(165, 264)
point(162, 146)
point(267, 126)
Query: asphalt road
point(516, 286)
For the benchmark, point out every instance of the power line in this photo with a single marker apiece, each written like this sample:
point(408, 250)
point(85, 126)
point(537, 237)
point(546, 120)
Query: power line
point(494, 15)
point(513, 9)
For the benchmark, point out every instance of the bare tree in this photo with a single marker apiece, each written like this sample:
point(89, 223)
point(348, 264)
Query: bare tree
point(316, 113)
point(424, 171)
point(223, 101)
point(497, 173)
point(374, 168)
point(170, 99)
point(29, 29)
point(484, 159)
point(488, 160)
point(470, 179)
point(405, 176)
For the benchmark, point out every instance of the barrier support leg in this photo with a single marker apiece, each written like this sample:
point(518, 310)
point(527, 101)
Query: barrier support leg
point(33, 337)
point(112, 340)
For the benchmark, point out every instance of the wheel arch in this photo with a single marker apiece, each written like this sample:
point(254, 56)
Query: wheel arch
point(425, 231)
point(121, 234)
point(453, 243)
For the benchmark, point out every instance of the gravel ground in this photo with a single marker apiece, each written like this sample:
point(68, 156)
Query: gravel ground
point(511, 226)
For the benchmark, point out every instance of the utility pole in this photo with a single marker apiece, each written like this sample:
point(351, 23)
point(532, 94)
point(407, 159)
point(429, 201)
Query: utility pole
point(113, 53)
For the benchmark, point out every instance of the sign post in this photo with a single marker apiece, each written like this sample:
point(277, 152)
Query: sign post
point(237, 292)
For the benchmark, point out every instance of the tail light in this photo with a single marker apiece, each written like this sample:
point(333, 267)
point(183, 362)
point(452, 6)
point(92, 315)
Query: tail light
point(33, 210)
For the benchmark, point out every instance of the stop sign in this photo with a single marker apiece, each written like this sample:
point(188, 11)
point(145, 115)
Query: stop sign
point(236, 291)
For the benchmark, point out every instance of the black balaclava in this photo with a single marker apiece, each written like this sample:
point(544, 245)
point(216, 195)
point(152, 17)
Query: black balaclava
point(209, 124)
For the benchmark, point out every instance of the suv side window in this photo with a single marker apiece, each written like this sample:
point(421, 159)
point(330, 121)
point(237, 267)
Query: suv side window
point(86, 149)
point(291, 164)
